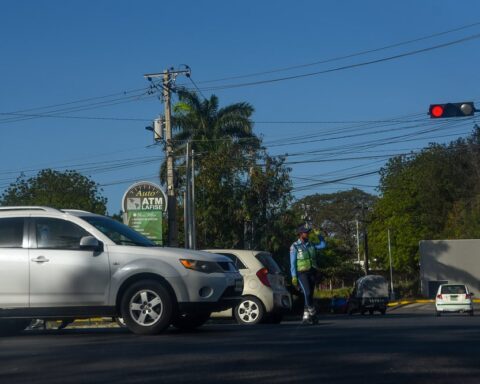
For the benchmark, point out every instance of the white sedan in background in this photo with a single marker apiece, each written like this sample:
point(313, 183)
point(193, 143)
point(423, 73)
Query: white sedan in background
point(264, 297)
point(453, 298)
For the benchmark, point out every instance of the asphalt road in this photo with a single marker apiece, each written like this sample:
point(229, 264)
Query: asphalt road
point(408, 345)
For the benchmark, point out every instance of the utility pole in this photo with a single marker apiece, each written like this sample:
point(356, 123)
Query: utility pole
point(358, 242)
point(187, 199)
point(171, 196)
point(192, 204)
point(168, 78)
point(365, 237)
point(392, 293)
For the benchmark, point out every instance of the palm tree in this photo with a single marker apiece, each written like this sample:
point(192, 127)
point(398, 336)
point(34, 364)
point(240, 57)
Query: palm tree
point(208, 126)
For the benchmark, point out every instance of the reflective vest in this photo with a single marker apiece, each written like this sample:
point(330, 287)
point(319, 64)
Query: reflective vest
point(306, 256)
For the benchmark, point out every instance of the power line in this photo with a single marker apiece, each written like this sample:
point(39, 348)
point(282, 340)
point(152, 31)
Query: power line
point(350, 66)
point(406, 42)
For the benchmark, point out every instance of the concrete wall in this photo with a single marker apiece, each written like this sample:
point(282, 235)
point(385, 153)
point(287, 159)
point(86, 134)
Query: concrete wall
point(452, 261)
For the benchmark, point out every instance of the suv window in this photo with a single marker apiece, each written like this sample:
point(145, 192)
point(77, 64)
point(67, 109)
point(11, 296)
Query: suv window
point(268, 262)
point(119, 233)
point(11, 232)
point(236, 261)
point(58, 234)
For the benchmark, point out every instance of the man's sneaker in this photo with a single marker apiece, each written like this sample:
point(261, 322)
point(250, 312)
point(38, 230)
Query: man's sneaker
point(306, 317)
point(312, 315)
point(37, 324)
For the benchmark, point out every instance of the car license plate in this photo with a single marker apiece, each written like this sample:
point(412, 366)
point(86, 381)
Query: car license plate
point(453, 298)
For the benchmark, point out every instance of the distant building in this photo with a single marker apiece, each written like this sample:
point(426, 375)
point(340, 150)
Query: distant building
point(449, 261)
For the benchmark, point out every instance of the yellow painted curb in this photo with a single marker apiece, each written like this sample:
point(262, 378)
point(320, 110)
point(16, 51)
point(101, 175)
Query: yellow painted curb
point(419, 301)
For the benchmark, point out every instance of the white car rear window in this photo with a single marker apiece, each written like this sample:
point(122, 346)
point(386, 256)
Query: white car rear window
point(453, 290)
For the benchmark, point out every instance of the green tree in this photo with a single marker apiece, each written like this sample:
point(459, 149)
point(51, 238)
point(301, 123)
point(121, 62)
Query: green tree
point(208, 126)
point(242, 194)
point(429, 195)
point(56, 189)
point(337, 213)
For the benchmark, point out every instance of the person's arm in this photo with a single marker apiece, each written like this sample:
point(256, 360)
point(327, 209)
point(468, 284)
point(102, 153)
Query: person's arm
point(293, 261)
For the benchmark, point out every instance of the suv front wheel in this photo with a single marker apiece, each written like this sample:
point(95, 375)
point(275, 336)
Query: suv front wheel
point(147, 307)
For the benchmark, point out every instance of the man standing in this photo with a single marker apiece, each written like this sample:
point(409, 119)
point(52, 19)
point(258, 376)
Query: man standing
point(303, 267)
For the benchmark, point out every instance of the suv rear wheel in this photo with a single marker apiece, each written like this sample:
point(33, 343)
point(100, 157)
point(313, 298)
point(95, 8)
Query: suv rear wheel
point(147, 307)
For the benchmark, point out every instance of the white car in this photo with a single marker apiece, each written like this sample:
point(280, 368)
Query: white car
point(67, 264)
point(453, 298)
point(264, 297)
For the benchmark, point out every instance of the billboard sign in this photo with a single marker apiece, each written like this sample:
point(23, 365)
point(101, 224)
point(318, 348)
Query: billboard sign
point(143, 206)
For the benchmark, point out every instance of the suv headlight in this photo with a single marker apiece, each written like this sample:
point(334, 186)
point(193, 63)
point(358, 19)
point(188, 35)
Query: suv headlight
point(201, 266)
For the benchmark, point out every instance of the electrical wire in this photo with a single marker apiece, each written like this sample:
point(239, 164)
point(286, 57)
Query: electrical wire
point(395, 45)
point(345, 67)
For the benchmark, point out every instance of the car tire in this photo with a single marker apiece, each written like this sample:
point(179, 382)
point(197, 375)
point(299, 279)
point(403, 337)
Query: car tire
point(13, 326)
point(147, 307)
point(190, 321)
point(249, 311)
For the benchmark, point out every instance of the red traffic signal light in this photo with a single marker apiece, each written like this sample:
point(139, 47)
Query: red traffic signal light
point(437, 111)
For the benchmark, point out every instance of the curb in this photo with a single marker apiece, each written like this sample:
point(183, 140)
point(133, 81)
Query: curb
point(418, 301)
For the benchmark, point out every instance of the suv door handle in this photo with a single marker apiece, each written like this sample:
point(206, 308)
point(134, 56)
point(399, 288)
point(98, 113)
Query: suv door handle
point(40, 259)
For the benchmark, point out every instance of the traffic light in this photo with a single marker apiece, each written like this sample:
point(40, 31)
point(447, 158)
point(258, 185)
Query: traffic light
point(439, 111)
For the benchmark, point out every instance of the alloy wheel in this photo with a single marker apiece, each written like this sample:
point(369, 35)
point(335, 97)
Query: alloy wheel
point(146, 307)
point(248, 311)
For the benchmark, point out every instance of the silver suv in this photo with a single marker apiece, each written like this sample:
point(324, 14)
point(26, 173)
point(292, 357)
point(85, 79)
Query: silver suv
point(74, 264)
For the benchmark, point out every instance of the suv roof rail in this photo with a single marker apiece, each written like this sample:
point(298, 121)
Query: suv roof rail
point(74, 211)
point(29, 208)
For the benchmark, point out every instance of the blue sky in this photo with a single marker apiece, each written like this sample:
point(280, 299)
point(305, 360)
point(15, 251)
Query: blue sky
point(348, 120)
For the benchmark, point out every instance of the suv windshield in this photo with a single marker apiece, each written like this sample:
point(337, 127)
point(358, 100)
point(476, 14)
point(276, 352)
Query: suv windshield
point(117, 232)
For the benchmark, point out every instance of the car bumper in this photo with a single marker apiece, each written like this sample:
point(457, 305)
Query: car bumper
point(282, 302)
point(454, 307)
point(221, 305)
point(198, 287)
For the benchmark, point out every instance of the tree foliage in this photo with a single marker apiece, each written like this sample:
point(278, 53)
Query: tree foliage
point(242, 194)
point(68, 189)
point(337, 214)
point(433, 194)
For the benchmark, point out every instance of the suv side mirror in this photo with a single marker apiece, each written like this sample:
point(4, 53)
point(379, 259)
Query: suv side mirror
point(90, 242)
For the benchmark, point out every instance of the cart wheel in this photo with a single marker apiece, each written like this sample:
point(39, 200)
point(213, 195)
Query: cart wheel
point(370, 311)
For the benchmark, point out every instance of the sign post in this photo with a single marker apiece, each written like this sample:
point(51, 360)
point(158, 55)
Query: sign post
point(143, 205)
